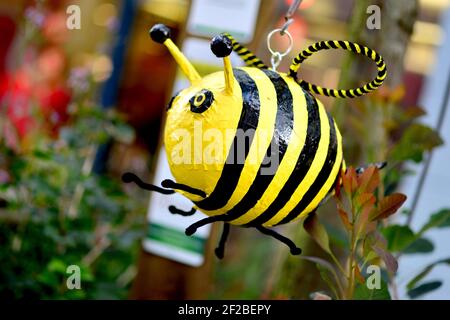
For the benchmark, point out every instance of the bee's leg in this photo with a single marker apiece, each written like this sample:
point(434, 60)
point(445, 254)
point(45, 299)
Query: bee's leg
point(219, 251)
point(175, 210)
point(178, 186)
point(193, 227)
point(131, 177)
point(294, 249)
point(378, 165)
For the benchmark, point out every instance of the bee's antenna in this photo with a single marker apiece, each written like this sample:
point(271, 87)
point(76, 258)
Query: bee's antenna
point(221, 46)
point(161, 33)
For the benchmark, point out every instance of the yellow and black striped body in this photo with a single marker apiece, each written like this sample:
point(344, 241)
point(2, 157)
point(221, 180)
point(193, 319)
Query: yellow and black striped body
point(251, 146)
point(272, 109)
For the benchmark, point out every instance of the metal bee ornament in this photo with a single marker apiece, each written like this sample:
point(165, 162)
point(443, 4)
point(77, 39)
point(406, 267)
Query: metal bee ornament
point(279, 118)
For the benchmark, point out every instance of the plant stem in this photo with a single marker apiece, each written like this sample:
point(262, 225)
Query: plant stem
point(339, 265)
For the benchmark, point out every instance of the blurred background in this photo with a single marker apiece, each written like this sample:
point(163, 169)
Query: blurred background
point(79, 107)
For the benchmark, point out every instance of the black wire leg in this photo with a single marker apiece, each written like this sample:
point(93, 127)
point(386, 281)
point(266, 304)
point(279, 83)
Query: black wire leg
point(378, 165)
point(178, 186)
point(131, 177)
point(175, 210)
point(193, 227)
point(220, 250)
point(294, 249)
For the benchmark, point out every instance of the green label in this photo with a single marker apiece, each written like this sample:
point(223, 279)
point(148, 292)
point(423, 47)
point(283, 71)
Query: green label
point(175, 238)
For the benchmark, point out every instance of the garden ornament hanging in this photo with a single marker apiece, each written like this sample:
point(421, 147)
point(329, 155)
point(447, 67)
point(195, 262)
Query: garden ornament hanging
point(280, 153)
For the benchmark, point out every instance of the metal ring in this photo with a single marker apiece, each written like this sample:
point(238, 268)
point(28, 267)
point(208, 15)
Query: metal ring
point(291, 42)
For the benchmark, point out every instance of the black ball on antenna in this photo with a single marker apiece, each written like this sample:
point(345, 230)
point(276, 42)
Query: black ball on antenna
point(159, 33)
point(221, 46)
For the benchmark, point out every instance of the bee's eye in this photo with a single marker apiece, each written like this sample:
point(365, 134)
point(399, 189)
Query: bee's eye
point(201, 101)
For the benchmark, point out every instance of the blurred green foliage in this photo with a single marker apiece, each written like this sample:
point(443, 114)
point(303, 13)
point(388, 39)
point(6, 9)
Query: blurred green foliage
point(56, 213)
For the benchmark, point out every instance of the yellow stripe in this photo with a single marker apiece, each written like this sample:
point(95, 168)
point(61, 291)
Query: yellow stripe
point(348, 45)
point(313, 171)
point(261, 141)
point(320, 90)
point(330, 181)
point(293, 151)
point(248, 55)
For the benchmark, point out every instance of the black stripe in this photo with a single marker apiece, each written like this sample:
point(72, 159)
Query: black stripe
point(342, 44)
point(232, 168)
point(314, 88)
point(250, 58)
point(302, 166)
point(243, 53)
point(169, 105)
point(350, 94)
point(293, 74)
point(331, 43)
point(364, 90)
point(353, 47)
point(259, 64)
point(284, 122)
point(321, 178)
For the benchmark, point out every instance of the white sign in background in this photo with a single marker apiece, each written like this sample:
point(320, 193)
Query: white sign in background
point(211, 17)
point(170, 226)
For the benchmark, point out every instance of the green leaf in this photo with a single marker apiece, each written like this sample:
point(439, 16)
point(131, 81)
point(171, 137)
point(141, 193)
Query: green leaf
point(324, 264)
point(362, 292)
point(56, 265)
point(416, 139)
point(325, 275)
point(421, 245)
point(317, 231)
point(440, 219)
point(398, 237)
point(425, 272)
point(424, 288)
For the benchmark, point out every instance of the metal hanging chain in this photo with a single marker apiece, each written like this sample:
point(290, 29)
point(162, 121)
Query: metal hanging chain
point(277, 56)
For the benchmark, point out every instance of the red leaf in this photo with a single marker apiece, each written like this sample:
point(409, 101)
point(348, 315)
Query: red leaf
point(349, 181)
point(389, 260)
point(369, 180)
point(359, 276)
point(363, 218)
point(388, 206)
point(344, 217)
point(365, 199)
